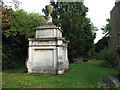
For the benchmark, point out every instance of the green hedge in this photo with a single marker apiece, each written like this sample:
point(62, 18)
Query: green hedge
point(109, 57)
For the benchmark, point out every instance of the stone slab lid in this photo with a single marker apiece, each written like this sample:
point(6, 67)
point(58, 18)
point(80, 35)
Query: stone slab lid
point(48, 26)
point(51, 39)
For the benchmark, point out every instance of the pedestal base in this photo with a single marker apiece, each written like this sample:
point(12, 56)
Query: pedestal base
point(60, 71)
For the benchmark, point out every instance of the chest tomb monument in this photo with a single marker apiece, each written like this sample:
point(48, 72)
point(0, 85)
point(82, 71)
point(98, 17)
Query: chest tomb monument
point(47, 52)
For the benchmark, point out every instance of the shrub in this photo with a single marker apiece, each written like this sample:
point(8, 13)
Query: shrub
point(13, 56)
point(14, 36)
point(109, 57)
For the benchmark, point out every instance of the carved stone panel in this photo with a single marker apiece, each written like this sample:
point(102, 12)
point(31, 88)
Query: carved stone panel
point(44, 33)
point(43, 58)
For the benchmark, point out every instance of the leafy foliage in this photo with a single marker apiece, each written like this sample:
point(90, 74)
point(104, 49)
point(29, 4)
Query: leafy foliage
point(14, 52)
point(109, 57)
point(103, 43)
point(6, 16)
point(107, 29)
point(17, 27)
point(21, 23)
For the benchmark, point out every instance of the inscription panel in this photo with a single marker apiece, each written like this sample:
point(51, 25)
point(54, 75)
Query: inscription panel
point(43, 58)
point(44, 33)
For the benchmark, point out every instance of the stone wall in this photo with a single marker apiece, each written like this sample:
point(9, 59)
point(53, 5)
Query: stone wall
point(115, 26)
point(114, 42)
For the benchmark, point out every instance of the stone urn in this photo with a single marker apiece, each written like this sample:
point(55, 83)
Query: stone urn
point(49, 9)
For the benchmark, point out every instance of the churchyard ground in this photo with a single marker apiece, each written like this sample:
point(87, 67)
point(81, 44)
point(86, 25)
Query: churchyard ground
point(82, 75)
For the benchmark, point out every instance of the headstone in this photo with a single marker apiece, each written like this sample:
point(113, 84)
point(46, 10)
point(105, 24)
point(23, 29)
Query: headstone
point(48, 50)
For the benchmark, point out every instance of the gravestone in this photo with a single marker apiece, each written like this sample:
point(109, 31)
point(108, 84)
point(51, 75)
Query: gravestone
point(114, 42)
point(48, 50)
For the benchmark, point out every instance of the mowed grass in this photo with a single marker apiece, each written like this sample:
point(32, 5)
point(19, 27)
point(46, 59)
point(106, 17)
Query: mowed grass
point(83, 75)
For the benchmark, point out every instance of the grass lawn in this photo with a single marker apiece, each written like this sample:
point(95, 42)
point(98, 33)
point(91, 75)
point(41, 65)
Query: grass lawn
point(83, 75)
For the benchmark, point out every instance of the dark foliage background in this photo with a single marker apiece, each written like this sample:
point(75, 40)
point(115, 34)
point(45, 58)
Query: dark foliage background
point(17, 28)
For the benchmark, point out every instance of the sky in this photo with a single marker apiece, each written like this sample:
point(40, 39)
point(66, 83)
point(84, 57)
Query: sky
point(99, 11)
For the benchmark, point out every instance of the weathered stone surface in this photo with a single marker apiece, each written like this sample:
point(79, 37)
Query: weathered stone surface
point(115, 26)
point(47, 55)
point(48, 33)
point(48, 50)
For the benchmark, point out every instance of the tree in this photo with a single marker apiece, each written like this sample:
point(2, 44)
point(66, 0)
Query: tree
point(103, 43)
point(7, 14)
point(16, 31)
point(107, 29)
point(22, 23)
point(77, 28)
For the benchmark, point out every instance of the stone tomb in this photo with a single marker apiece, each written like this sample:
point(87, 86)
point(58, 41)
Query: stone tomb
point(48, 50)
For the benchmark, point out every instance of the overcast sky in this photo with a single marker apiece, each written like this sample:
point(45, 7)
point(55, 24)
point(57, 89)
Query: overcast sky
point(99, 10)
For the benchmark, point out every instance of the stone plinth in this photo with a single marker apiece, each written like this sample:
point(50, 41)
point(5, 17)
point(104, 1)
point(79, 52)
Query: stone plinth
point(48, 31)
point(47, 51)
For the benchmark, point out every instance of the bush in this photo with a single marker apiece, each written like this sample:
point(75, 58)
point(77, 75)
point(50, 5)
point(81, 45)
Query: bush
point(109, 57)
point(14, 52)
point(15, 36)
point(9, 63)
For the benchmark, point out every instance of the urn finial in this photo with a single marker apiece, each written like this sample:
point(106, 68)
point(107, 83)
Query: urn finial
point(49, 9)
